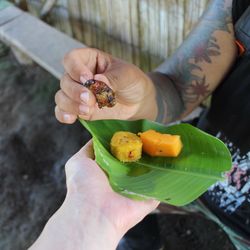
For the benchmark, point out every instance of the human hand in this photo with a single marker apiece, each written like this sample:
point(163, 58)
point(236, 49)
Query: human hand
point(92, 216)
point(135, 94)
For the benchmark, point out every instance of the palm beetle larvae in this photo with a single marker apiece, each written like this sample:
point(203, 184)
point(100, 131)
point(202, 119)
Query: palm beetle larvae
point(104, 95)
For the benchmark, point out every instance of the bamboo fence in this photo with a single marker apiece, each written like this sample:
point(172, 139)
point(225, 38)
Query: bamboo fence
point(143, 32)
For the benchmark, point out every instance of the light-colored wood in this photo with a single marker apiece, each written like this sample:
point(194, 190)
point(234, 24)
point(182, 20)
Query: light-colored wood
point(8, 13)
point(41, 42)
point(144, 32)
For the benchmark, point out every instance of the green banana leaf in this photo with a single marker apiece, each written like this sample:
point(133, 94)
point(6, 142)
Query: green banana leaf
point(176, 181)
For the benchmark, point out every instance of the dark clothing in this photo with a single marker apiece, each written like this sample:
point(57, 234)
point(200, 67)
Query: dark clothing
point(229, 119)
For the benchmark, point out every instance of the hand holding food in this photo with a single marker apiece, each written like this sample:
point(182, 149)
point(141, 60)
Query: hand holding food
point(98, 86)
point(105, 96)
point(175, 179)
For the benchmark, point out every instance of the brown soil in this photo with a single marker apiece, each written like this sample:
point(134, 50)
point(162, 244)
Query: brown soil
point(33, 150)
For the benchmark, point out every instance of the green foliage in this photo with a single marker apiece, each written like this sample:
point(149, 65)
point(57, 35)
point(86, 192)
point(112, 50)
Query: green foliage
point(177, 181)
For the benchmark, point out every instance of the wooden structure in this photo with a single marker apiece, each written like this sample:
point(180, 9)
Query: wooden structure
point(140, 31)
point(34, 38)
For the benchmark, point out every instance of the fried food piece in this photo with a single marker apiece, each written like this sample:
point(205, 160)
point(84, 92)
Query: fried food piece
point(157, 144)
point(104, 95)
point(126, 146)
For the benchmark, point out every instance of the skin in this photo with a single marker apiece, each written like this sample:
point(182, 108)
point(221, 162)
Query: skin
point(134, 93)
point(172, 91)
point(88, 220)
point(200, 64)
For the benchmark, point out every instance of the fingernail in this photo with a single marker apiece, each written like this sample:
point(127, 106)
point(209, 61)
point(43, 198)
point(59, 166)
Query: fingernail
point(84, 109)
point(66, 117)
point(83, 79)
point(85, 97)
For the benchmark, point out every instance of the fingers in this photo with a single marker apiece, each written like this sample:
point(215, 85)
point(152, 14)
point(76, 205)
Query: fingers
point(85, 62)
point(82, 172)
point(69, 106)
point(80, 160)
point(64, 117)
point(127, 80)
point(73, 100)
point(76, 91)
point(76, 65)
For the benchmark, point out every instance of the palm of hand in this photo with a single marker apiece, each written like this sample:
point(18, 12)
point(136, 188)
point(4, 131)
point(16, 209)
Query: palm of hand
point(89, 182)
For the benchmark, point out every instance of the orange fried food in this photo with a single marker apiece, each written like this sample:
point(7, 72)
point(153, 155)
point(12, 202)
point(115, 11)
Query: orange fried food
point(157, 144)
point(126, 146)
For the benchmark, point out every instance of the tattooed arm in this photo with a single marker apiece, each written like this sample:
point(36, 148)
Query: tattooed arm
point(198, 66)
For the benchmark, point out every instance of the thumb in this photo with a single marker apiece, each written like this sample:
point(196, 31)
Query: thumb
point(75, 164)
point(126, 80)
point(82, 172)
point(117, 75)
point(86, 151)
point(85, 63)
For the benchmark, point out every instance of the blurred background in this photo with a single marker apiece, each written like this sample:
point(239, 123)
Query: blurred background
point(143, 32)
point(34, 146)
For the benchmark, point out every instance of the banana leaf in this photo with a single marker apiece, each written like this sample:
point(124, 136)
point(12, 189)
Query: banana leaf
point(176, 181)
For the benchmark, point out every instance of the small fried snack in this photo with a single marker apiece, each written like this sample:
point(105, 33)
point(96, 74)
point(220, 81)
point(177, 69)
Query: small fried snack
point(104, 95)
point(157, 144)
point(126, 146)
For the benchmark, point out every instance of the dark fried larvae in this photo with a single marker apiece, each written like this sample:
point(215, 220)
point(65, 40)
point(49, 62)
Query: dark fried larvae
point(104, 95)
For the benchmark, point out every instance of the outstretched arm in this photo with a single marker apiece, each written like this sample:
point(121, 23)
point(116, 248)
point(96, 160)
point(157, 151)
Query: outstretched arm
point(198, 65)
point(92, 216)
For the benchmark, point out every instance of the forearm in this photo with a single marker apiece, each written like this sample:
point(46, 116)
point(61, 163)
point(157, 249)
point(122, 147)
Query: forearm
point(200, 63)
point(169, 102)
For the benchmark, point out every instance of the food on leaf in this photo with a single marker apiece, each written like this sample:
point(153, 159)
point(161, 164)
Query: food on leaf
point(157, 144)
point(126, 146)
point(104, 95)
point(177, 181)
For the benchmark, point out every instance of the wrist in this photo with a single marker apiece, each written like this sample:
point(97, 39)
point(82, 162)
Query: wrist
point(148, 106)
point(78, 225)
point(168, 99)
point(96, 231)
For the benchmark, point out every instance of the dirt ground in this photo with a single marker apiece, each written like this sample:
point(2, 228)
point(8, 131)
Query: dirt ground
point(33, 150)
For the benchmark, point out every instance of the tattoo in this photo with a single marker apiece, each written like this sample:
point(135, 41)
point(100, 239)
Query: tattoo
point(200, 47)
point(192, 93)
point(169, 101)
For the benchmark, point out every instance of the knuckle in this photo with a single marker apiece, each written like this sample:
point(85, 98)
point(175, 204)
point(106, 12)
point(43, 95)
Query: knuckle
point(61, 100)
point(59, 117)
point(89, 50)
point(62, 81)
point(68, 56)
point(84, 117)
point(57, 96)
point(76, 91)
